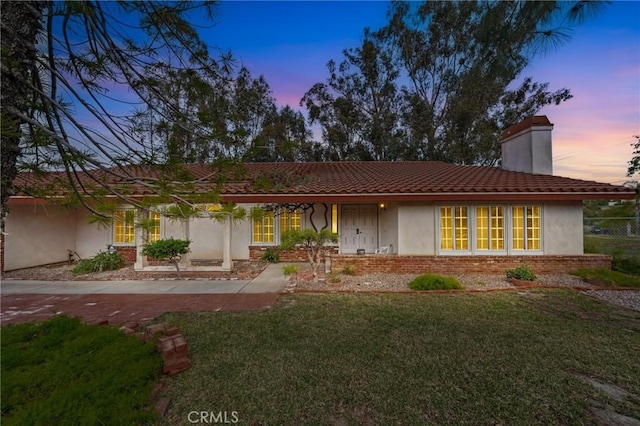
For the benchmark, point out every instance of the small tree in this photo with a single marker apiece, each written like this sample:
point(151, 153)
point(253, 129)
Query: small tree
point(314, 243)
point(168, 249)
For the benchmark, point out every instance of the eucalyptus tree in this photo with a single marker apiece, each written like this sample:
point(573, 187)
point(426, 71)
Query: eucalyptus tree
point(358, 106)
point(284, 137)
point(452, 77)
point(462, 61)
point(72, 71)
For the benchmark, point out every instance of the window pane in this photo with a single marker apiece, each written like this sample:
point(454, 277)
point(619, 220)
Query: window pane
point(263, 228)
point(461, 228)
point(334, 218)
point(497, 228)
point(154, 231)
point(268, 226)
point(482, 228)
point(518, 228)
point(446, 228)
point(284, 222)
point(533, 228)
point(124, 227)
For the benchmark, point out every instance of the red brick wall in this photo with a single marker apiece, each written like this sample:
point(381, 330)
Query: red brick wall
point(1, 253)
point(466, 264)
point(128, 253)
point(294, 255)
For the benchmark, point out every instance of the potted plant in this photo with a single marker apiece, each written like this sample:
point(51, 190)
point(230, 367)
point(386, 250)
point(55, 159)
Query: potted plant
point(521, 276)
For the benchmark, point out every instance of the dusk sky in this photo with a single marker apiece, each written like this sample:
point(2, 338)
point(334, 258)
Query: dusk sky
point(290, 43)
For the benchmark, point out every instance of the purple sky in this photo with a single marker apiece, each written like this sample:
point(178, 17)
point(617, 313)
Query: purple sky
point(290, 43)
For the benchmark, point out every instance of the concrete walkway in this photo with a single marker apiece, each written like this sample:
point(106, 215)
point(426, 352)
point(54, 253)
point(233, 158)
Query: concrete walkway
point(121, 302)
point(270, 280)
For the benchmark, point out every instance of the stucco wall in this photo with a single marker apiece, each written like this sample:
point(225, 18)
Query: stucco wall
point(388, 226)
point(416, 229)
point(38, 234)
point(562, 228)
point(90, 237)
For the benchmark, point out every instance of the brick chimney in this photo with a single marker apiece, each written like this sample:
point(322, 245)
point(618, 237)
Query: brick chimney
point(526, 146)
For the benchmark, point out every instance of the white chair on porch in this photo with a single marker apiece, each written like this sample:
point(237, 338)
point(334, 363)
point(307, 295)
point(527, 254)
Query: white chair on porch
point(385, 249)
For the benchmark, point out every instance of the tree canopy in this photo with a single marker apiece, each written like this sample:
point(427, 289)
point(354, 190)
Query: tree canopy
point(97, 59)
point(441, 80)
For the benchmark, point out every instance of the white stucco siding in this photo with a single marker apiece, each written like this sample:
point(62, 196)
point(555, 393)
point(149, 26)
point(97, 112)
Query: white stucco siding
point(38, 234)
point(562, 228)
point(416, 229)
point(91, 237)
point(388, 226)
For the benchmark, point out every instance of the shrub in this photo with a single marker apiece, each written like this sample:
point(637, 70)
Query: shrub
point(627, 265)
point(348, 270)
point(271, 256)
point(334, 278)
point(290, 270)
point(434, 282)
point(521, 273)
point(167, 249)
point(102, 261)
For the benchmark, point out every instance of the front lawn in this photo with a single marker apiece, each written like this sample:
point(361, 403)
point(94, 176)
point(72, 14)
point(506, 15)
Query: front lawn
point(608, 278)
point(63, 372)
point(496, 358)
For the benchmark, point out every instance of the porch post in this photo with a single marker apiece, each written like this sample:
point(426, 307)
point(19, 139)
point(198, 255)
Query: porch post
point(141, 260)
point(227, 264)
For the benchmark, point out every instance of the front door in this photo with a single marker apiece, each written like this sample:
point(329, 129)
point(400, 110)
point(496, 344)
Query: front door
point(359, 228)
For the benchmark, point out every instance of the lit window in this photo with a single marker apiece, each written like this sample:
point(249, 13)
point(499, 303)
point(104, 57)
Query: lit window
point(489, 228)
point(124, 227)
point(454, 228)
point(290, 221)
point(154, 229)
point(264, 228)
point(334, 218)
point(526, 227)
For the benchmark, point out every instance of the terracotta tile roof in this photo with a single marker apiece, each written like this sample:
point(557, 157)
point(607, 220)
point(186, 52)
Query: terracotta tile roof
point(408, 180)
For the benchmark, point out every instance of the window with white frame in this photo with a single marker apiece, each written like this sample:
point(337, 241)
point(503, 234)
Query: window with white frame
point(124, 227)
point(526, 228)
point(454, 228)
point(264, 229)
point(154, 231)
point(490, 228)
point(268, 227)
point(486, 226)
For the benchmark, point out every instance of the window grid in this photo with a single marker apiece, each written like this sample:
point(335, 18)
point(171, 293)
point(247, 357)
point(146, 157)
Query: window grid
point(482, 228)
point(526, 228)
point(446, 228)
point(489, 228)
point(497, 228)
point(290, 220)
point(461, 228)
point(264, 228)
point(124, 227)
point(154, 231)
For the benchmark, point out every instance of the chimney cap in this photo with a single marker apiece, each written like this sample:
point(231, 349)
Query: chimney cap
point(533, 121)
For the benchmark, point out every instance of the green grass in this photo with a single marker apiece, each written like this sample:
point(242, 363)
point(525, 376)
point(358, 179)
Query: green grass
point(63, 371)
point(495, 358)
point(607, 277)
point(612, 244)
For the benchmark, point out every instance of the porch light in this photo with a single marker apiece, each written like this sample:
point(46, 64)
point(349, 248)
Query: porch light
point(383, 206)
